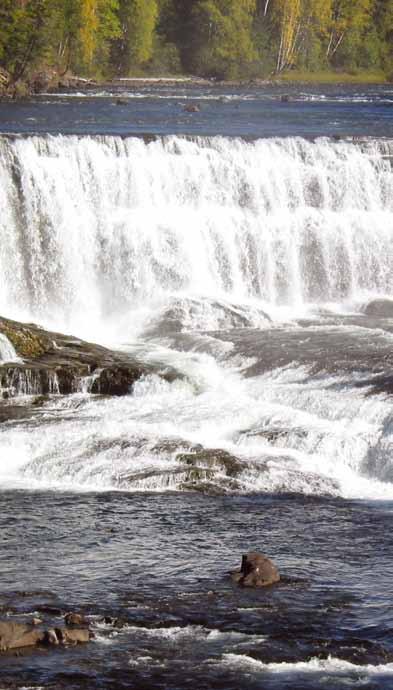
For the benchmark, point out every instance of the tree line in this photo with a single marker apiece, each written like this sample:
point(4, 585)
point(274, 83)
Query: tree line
point(225, 39)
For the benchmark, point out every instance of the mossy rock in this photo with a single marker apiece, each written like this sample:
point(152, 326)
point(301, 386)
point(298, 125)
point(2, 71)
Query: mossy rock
point(216, 459)
point(27, 344)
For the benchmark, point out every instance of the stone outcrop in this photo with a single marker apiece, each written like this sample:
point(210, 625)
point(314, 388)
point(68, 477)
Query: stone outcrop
point(19, 635)
point(256, 570)
point(74, 619)
point(56, 363)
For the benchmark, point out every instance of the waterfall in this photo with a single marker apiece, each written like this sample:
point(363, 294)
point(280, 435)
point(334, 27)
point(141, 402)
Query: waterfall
point(7, 351)
point(100, 225)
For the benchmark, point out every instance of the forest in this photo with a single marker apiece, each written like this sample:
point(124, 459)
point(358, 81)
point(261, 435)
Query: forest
point(221, 39)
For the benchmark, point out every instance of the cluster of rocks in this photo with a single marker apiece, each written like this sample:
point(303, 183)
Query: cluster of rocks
point(14, 636)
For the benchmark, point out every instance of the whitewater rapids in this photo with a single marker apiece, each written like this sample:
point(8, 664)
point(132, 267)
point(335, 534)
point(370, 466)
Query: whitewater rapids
point(195, 252)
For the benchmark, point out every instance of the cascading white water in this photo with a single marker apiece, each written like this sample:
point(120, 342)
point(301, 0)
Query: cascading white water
point(103, 224)
point(196, 235)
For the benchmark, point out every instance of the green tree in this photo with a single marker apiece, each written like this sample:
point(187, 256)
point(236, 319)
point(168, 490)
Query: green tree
point(223, 41)
point(138, 19)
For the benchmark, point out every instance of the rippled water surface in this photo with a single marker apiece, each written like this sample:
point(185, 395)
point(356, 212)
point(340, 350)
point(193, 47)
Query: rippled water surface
point(160, 562)
point(251, 111)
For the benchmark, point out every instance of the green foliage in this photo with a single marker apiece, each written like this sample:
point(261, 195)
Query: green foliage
point(138, 20)
point(223, 42)
point(215, 38)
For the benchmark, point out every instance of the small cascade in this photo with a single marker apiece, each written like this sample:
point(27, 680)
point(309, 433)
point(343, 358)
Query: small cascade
point(7, 351)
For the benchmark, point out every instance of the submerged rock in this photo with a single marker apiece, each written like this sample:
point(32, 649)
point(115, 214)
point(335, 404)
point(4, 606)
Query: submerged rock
point(256, 570)
point(380, 308)
point(56, 363)
point(191, 109)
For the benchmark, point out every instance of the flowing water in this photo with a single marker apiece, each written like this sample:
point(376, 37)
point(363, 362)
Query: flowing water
point(262, 270)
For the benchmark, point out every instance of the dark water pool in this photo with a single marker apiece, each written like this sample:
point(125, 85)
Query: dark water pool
point(160, 564)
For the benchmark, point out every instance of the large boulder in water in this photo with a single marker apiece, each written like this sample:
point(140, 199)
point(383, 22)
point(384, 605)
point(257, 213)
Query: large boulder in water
point(256, 570)
point(379, 308)
point(17, 635)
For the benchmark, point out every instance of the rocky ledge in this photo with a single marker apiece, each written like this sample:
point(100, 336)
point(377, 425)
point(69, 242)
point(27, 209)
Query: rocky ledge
point(50, 362)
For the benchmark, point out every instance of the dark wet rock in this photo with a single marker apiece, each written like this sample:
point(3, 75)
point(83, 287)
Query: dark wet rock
point(73, 635)
point(121, 101)
point(74, 619)
point(168, 477)
point(56, 363)
point(118, 623)
point(40, 400)
point(380, 308)
point(18, 635)
point(191, 109)
point(256, 570)
point(9, 412)
point(285, 98)
point(115, 380)
point(211, 488)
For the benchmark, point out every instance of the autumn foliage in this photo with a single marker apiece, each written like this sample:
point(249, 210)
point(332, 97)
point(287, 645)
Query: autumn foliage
point(215, 38)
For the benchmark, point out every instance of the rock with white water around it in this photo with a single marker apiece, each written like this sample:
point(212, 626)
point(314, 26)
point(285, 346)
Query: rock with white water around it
point(74, 619)
point(73, 635)
point(379, 308)
point(256, 570)
point(55, 363)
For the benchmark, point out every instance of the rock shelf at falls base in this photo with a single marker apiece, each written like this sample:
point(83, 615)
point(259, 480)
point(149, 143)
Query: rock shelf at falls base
point(54, 363)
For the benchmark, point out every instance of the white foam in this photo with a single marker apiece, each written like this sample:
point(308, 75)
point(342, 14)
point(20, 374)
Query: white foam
point(7, 351)
point(329, 666)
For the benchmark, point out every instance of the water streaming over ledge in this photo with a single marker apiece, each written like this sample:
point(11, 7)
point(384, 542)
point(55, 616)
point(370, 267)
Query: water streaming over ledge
point(104, 224)
point(174, 237)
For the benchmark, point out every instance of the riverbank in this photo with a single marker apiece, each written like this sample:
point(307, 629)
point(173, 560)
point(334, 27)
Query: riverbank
point(299, 77)
point(49, 81)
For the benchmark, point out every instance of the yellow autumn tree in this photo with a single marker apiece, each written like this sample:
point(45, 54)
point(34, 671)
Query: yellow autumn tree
point(89, 22)
point(288, 15)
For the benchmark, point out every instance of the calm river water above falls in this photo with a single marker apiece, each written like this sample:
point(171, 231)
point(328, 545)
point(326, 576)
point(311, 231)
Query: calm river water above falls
point(245, 245)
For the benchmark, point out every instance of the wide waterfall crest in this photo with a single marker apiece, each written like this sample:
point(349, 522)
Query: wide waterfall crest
point(104, 224)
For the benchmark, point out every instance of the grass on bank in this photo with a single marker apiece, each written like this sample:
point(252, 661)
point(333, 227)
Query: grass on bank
point(376, 77)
